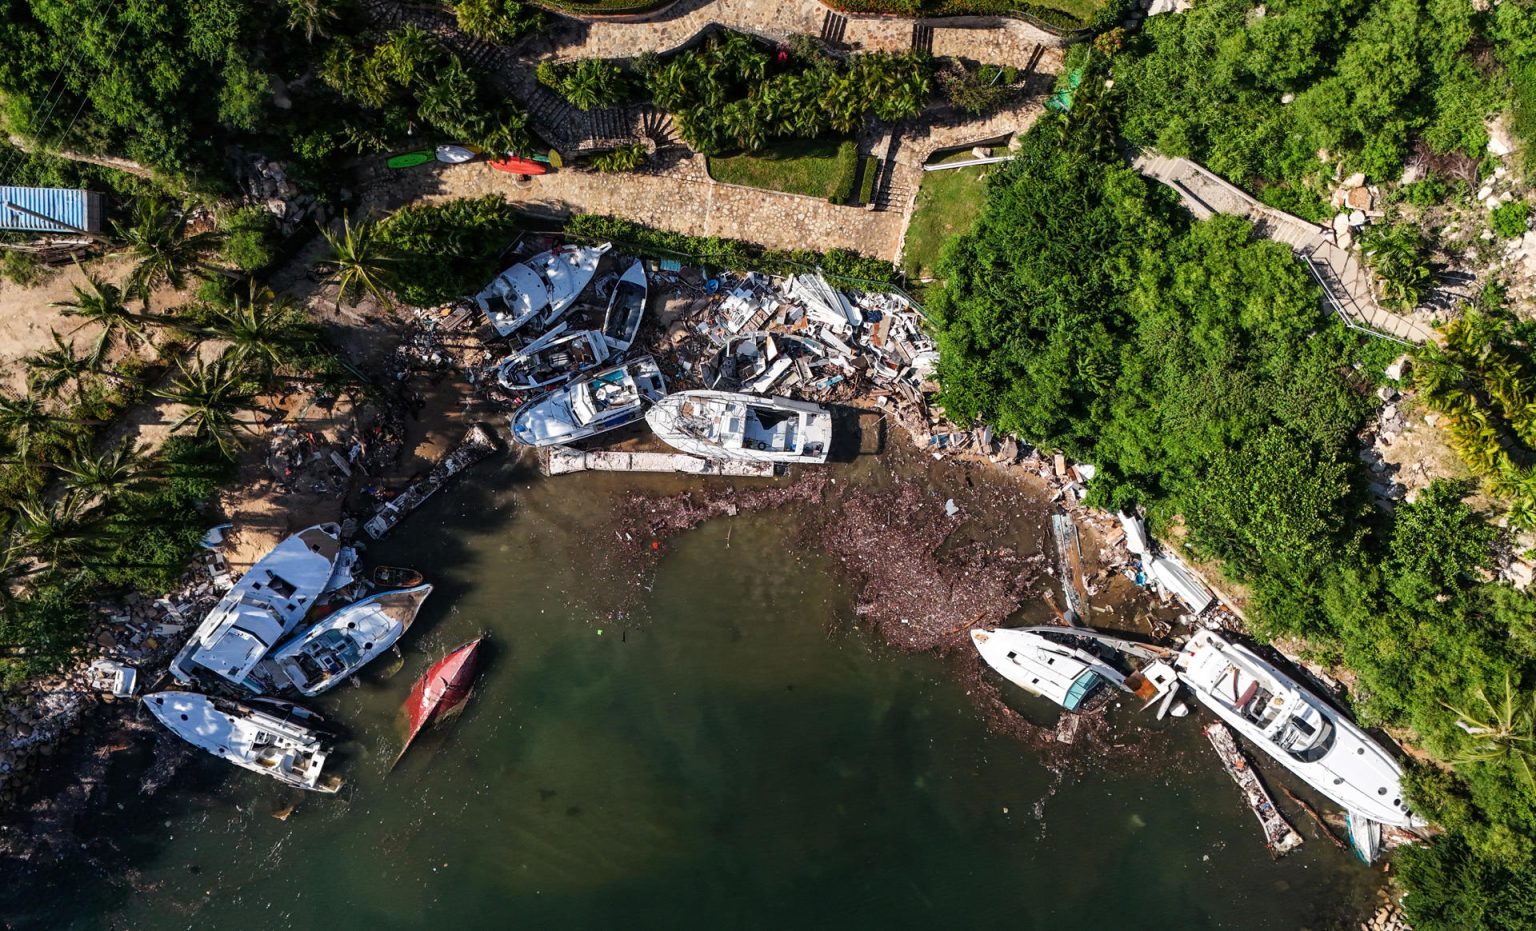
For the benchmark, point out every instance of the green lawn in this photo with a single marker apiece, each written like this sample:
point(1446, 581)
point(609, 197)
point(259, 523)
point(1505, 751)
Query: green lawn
point(947, 205)
point(817, 167)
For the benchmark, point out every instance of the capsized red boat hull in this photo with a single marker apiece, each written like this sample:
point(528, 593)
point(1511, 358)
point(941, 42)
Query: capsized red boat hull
point(519, 166)
point(443, 688)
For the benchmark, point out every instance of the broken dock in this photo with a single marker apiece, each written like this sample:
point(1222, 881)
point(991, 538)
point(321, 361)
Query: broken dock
point(1279, 836)
point(562, 460)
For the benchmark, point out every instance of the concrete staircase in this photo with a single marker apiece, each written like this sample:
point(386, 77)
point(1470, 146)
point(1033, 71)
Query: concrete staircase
point(1346, 284)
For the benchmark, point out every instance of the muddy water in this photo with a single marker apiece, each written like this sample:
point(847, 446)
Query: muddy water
point(698, 740)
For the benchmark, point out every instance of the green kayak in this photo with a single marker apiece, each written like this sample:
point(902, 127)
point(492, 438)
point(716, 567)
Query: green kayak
point(411, 159)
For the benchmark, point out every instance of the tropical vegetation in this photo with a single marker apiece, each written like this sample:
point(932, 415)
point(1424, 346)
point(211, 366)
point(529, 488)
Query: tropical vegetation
point(1192, 364)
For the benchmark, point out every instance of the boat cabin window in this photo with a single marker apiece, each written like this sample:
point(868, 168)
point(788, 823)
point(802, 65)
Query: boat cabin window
point(282, 586)
point(1305, 742)
point(1087, 685)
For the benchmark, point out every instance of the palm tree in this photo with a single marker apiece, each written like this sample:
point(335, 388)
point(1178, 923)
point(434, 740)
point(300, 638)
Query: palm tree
point(165, 249)
point(51, 370)
point(67, 530)
point(102, 475)
point(360, 261)
point(211, 393)
point(313, 17)
point(27, 424)
point(265, 330)
point(1506, 731)
point(102, 304)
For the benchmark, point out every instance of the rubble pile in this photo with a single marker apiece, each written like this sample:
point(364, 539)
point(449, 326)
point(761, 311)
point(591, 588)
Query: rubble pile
point(266, 184)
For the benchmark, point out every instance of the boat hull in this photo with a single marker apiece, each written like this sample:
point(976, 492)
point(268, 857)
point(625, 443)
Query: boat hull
point(513, 165)
point(1063, 674)
point(444, 687)
point(626, 308)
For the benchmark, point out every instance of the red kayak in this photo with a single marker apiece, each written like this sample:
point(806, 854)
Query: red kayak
point(518, 166)
point(444, 688)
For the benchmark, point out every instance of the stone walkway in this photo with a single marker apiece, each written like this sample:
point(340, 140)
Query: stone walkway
point(675, 192)
point(1344, 281)
point(682, 199)
point(986, 39)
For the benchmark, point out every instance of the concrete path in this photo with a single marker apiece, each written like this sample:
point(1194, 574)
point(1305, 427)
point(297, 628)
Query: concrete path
point(1345, 282)
point(682, 199)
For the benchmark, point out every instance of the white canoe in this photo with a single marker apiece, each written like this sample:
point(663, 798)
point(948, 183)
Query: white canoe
point(346, 641)
point(258, 739)
point(757, 428)
point(455, 154)
point(594, 404)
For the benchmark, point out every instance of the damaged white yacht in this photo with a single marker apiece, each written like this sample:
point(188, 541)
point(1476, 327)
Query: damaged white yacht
point(1305, 734)
point(600, 402)
point(1044, 662)
point(261, 737)
point(725, 425)
point(540, 289)
point(262, 608)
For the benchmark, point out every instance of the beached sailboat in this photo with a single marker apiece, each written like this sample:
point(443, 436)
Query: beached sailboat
point(724, 425)
point(621, 322)
point(602, 401)
point(443, 688)
point(259, 738)
point(555, 357)
point(261, 609)
point(1306, 735)
point(1048, 664)
point(540, 289)
point(346, 641)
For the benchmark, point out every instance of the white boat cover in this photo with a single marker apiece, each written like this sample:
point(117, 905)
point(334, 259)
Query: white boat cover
point(454, 154)
point(1135, 534)
point(1176, 578)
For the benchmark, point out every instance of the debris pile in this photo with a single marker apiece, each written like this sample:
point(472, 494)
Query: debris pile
point(266, 184)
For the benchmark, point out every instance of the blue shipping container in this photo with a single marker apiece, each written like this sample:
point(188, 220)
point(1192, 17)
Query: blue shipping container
point(80, 209)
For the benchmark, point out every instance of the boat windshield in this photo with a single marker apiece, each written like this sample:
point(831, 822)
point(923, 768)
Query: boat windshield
point(1306, 741)
point(1086, 686)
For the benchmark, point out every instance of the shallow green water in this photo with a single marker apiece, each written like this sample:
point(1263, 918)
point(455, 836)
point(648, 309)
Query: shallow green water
point(728, 754)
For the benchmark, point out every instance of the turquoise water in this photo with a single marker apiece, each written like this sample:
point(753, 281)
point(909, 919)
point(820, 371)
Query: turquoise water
point(724, 752)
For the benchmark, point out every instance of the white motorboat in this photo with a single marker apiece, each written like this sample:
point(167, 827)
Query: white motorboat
point(1364, 837)
point(345, 642)
point(540, 289)
point(553, 358)
point(270, 738)
point(602, 401)
point(1305, 734)
point(1047, 664)
point(724, 425)
point(621, 322)
point(261, 609)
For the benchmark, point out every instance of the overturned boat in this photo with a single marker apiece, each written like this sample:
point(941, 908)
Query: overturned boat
point(553, 358)
point(626, 306)
point(259, 737)
point(724, 425)
point(1305, 734)
point(602, 401)
point(442, 689)
point(1046, 663)
point(261, 609)
point(540, 289)
point(346, 641)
